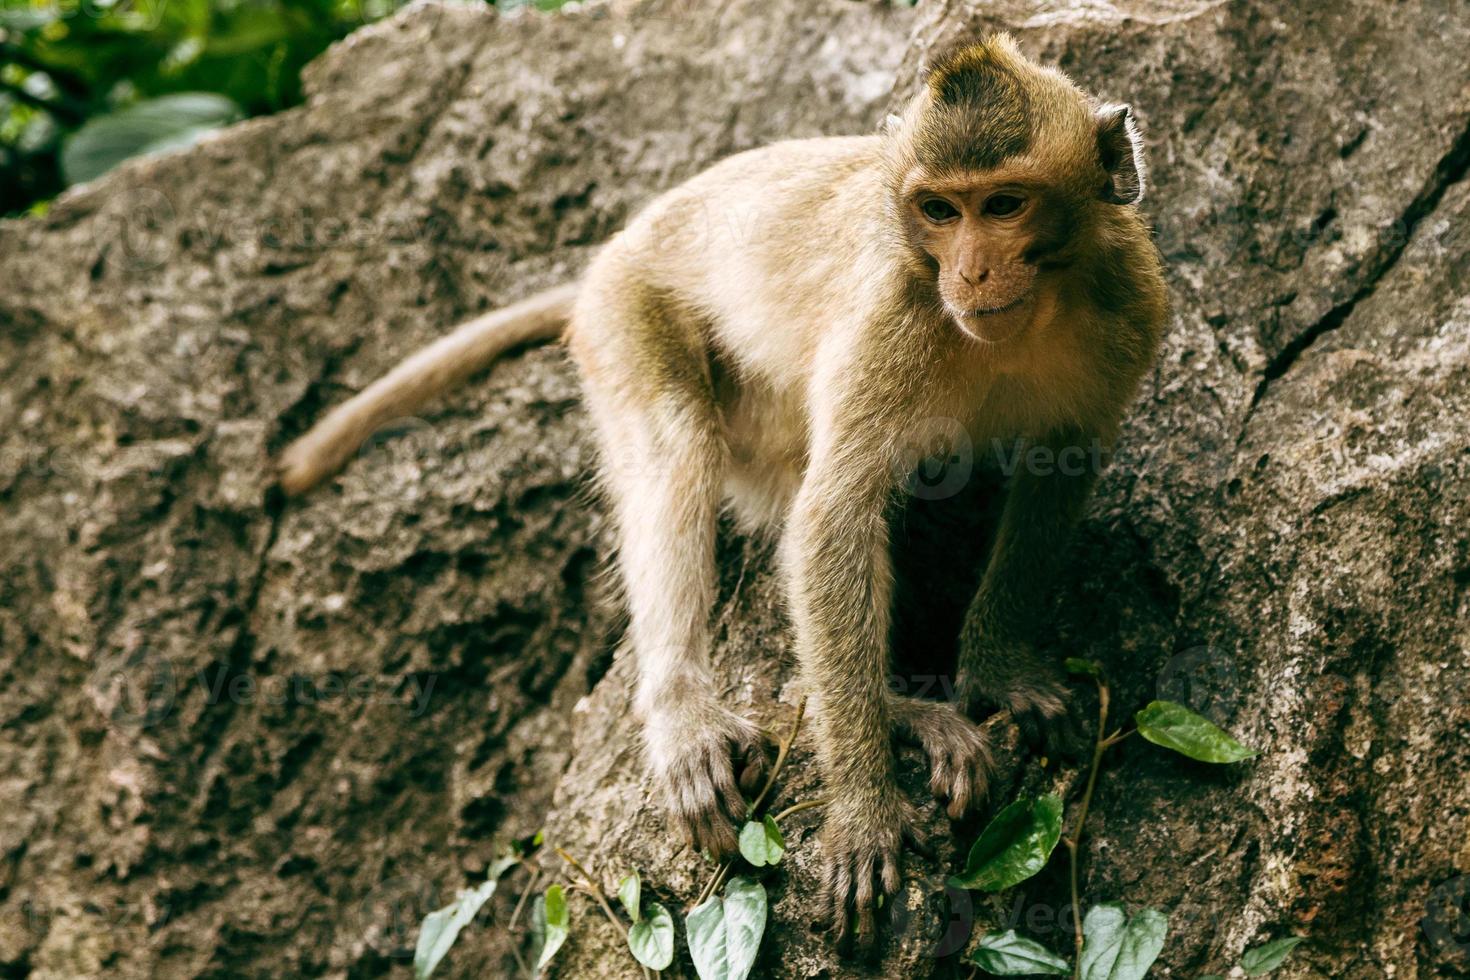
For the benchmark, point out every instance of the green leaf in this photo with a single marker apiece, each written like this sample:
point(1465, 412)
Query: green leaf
point(1088, 668)
point(441, 927)
point(1006, 954)
point(153, 125)
point(725, 934)
point(1264, 959)
point(1015, 846)
point(761, 842)
point(629, 891)
point(501, 865)
point(551, 923)
point(1176, 727)
point(178, 140)
point(29, 18)
point(1116, 947)
point(652, 939)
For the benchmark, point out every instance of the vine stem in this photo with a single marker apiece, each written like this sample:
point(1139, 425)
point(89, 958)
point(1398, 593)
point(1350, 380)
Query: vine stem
point(1074, 840)
point(711, 886)
point(525, 894)
point(590, 887)
point(515, 917)
point(797, 808)
point(783, 751)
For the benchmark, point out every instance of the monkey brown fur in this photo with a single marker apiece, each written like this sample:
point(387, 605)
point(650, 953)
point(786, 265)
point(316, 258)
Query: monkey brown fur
point(768, 337)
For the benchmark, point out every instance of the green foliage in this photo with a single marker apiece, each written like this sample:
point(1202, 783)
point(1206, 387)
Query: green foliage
point(1019, 841)
point(440, 928)
point(68, 64)
point(550, 923)
point(1084, 668)
point(1116, 947)
point(761, 842)
point(1264, 959)
point(652, 939)
point(1176, 727)
point(630, 893)
point(165, 123)
point(725, 933)
point(1015, 846)
point(1006, 954)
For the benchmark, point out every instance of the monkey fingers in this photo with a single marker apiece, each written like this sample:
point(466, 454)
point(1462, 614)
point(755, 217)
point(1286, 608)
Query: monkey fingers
point(1042, 712)
point(1015, 679)
point(755, 764)
point(853, 883)
point(861, 864)
point(695, 768)
point(704, 801)
point(958, 750)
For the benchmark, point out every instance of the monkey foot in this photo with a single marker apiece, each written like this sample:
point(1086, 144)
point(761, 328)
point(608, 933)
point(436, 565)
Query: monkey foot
point(694, 763)
point(959, 753)
point(861, 844)
point(1042, 713)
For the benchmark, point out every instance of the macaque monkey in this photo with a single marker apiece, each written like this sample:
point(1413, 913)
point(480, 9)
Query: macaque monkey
point(769, 337)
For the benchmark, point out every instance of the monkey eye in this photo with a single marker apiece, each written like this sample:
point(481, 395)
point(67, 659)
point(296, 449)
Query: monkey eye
point(1002, 205)
point(938, 210)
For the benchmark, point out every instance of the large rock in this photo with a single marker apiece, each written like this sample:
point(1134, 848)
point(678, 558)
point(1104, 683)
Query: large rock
point(247, 737)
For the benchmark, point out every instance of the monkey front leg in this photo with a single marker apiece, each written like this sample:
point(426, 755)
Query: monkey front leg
point(839, 582)
point(998, 664)
point(840, 585)
point(663, 464)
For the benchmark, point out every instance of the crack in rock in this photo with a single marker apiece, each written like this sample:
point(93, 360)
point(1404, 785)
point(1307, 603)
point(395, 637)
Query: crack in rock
point(1451, 169)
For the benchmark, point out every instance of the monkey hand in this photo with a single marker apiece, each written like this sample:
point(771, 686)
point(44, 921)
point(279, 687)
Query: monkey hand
point(1012, 677)
point(692, 753)
point(862, 836)
point(959, 752)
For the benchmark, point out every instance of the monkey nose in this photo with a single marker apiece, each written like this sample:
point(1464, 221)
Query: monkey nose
point(974, 277)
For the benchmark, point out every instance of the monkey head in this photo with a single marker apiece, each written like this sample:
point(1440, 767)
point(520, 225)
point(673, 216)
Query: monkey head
point(998, 173)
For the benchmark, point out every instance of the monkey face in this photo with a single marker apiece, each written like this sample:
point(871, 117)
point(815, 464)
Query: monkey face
point(985, 239)
point(1000, 172)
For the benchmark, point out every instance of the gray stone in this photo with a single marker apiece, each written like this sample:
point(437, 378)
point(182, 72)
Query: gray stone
point(250, 737)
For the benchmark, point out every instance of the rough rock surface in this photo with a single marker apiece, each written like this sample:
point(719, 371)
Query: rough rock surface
point(246, 737)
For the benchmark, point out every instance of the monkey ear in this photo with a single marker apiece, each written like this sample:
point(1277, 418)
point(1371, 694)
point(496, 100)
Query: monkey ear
point(891, 125)
point(1120, 147)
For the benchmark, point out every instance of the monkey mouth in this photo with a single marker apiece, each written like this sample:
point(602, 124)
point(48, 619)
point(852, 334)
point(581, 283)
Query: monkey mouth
point(992, 311)
point(969, 321)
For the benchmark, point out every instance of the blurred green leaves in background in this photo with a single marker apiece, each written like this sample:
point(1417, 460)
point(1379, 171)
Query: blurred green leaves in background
point(84, 84)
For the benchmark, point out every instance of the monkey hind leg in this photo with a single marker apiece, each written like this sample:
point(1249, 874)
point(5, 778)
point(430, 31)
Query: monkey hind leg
point(646, 384)
point(1013, 677)
point(960, 764)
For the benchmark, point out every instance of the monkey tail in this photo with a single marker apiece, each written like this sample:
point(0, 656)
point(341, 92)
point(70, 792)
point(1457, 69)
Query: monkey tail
point(434, 369)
